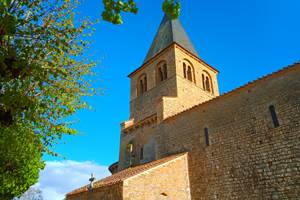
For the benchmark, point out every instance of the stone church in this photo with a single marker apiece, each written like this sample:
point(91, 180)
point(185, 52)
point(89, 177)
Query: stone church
point(185, 141)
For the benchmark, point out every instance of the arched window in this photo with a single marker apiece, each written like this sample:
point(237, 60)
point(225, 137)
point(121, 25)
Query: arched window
point(142, 84)
point(129, 153)
point(207, 82)
point(141, 87)
point(161, 72)
point(165, 71)
point(188, 71)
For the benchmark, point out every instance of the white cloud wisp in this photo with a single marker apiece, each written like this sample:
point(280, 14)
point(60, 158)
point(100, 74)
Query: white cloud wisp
point(61, 177)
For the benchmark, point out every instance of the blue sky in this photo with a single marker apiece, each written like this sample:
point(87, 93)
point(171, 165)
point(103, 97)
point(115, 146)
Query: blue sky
point(244, 40)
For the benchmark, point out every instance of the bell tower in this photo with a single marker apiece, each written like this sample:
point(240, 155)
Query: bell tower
point(171, 79)
point(172, 69)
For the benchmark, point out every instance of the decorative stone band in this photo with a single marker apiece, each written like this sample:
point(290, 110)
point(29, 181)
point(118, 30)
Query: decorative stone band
point(144, 122)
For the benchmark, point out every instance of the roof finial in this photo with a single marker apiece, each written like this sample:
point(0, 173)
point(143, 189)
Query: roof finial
point(91, 179)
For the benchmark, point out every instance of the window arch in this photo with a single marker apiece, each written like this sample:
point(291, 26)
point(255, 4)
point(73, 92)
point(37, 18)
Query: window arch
point(207, 82)
point(165, 70)
point(188, 71)
point(142, 84)
point(130, 153)
point(161, 72)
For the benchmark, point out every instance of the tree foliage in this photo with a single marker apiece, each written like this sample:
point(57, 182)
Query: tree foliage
point(20, 160)
point(43, 74)
point(114, 8)
point(171, 8)
point(42, 80)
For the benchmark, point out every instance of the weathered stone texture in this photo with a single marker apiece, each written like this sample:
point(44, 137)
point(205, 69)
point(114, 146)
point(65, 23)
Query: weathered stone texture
point(182, 55)
point(247, 157)
point(166, 178)
point(244, 156)
point(167, 181)
point(142, 137)
point(142, 106)
point(162, 99)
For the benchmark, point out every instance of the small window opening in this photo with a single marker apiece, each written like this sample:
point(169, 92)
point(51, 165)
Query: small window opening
point(164, 194)
point(184, 70)
point(145, 84)
point(206, 136)
point(274, 116)
point(142, 153)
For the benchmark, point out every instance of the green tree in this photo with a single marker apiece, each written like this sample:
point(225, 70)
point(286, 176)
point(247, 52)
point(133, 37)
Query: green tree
point(113, 8)
point(43, 77)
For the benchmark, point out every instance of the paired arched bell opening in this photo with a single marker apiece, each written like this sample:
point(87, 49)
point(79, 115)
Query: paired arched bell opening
point(188, 71)
point(207, 82)
point(142, 84)
point(161, 72)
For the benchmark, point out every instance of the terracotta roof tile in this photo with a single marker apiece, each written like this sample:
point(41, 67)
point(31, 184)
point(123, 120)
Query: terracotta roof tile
point(126, 173)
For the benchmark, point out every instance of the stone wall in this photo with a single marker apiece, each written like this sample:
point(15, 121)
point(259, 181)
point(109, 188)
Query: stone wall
point(188, 95)
point(247, 157)
point(163, 99)
point(142, 136)
point(166, 181)
point(199, 67)
point(144, 105)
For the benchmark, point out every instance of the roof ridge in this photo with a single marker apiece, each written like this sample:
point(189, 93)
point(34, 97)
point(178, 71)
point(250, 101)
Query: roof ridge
point(172, 32)
point(127, 173)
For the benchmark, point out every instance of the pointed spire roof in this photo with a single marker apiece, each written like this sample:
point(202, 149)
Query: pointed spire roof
point(168, 32)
